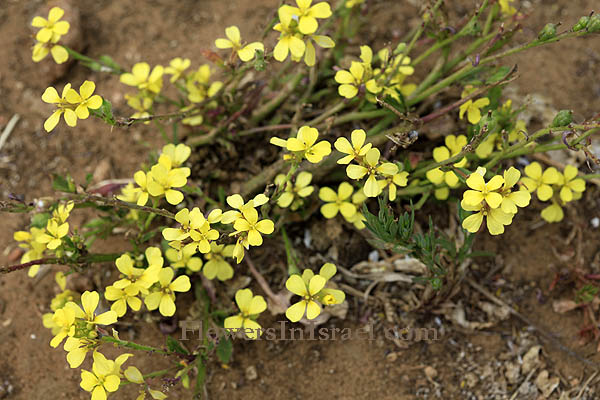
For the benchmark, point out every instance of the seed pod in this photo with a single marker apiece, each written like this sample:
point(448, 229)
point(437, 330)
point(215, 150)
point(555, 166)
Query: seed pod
point(548, 32)
point(563, 118)
point(581, 24)
point(594, 23)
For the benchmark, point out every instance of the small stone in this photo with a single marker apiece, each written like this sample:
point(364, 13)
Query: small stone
point(595, 222)
point(430, 372)
point(393, 356)
point(251, 373)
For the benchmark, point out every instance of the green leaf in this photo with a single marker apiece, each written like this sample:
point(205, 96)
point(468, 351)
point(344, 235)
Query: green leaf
point(105, 112)
point(109, 62)
point(224, 350)
point(174, 345)
point(292, 257)
point(63, 183)
point(497, 76)
point(40, 220)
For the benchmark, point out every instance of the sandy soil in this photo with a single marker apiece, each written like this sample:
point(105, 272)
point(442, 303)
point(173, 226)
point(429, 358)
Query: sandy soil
point(462, 365)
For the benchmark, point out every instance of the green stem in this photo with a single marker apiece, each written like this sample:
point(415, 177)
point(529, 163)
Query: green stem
point(83, 260)
point(134, 346)
point(93, 64)
point(266, 109)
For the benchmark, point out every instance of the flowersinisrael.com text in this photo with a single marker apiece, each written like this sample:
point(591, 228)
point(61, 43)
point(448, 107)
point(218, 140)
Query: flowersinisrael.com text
point(194, 330)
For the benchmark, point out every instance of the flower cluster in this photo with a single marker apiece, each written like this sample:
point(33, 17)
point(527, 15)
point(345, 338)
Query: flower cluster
point(297, 27)
point(163, 179)
point(294, 192)
point(554, 186)
point(37, 240)
point(70, 104)
point(246, 223)
point(446, 180)
point(496, 200)
point(313, 292)
point(388, 79)
point(379, 174)
point(50, 32)
point(304, 145)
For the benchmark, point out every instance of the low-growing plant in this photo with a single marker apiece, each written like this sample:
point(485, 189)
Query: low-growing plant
point(345, 113)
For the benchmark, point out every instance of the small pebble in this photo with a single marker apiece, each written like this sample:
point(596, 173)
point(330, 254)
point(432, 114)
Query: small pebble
point(251, 373)
point(595, 222)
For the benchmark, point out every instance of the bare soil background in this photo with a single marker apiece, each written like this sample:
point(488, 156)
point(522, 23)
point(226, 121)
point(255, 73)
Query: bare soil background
point(464, 364)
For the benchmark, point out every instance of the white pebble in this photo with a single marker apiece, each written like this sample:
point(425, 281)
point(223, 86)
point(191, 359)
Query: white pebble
point(595, 222)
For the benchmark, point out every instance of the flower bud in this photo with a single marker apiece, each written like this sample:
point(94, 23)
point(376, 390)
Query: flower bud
point(548, 32)
point(563, 118)
point(594, 23)
point(581, 24)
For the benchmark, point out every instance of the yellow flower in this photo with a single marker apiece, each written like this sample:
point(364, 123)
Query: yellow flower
point(121, 300)
point(337, 202)
point(34, 249)
point(250, 306)
point(64, 319)
point(176, 68)
point(52, 26)
point(178, 154)
point(356, 149)
point(138, 280)
point(482, 191)
point(164, 179)
point(571, 184)
point(289, 41)
point(200, 232)
point(350, 80)
point(553, 213)
point(142, 179)
point(307, 287)
point(234, 42)
point(164, 297)
point(103, 379)
point(250, 223)
point(392, 181)
point(62, 211)
point(41, 50)
point(294, 192)
point(89, 301)
point(199, 86)
point(193, 264)
point(237, 202)
point(216, 266)
point(85, 99)
point(62, 107)
point(329, 296)
point(540, 182)
point(506, 8)
point(305, 143)
point(310, 57)
point(141, 104)
point(496, 218)
point(472, 108)
point(357, 219)
point(143, 79)
point(307, 14)
point(510, 199)
point(54, 235)
point(77, 349)
point(371, 168)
